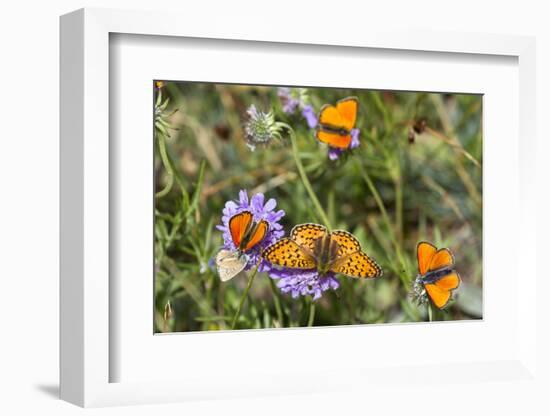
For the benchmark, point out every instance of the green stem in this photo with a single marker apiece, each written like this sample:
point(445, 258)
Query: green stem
point(350, 295)
point(170, 239)
point(322, 214)
point(190, 288)
point(399, 205)
point(166, 162)
point(430, 312)
point(277, 302)
point(382, 108)
point(385, 216)
point(311, 316)
point(245, 294)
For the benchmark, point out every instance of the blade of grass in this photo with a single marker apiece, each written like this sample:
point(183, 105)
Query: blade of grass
point(196, 195)
point(303, 176)
point(277, 302)
point(245, 294)
point(380, 203)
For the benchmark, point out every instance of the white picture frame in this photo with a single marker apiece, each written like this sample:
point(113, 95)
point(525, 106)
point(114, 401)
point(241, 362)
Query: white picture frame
point(86, 354)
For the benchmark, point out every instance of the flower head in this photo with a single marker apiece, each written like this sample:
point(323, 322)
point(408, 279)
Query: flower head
point(260, 128)
point(289, 99)
point(293, 99)
point(300, 282)
point(309, 114)
point(261, 210)
point(162, 115)
point(418, 293)
point(334, 153)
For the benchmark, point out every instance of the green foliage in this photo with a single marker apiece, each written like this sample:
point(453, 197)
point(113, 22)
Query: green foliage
point(399, 187)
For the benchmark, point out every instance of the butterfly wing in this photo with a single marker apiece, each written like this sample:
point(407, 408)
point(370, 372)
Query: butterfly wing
point(347, 243)
point(350, 260)
point(229, 264)
point(450, 281)
point(238, 224)
point(424, 252)
point(357, 265)
point(333, 139)
point(442, 258)
point(441, 290)
point(439, 297)
point(347, 108)
point(330, 116)
point(305, 235)
point(288, 253)
point(259, 234)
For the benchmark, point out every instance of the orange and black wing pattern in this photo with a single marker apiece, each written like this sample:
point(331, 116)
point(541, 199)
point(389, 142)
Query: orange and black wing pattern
point(347, 108)
point(257, 236)
point(245, 233)
point(431, 261)
point(287, 253)
point(238, 226)
point(357, 265)
point(336, 123)
point(424, 252)
point(441, 290)
point(305, 235)
point(351, 261)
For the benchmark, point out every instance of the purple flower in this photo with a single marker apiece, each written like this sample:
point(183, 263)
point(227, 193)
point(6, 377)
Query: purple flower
point(293, 99)
point(290, 103)
point(260, 211)
point(334, 153)
point(300, 282)
point(310, 116)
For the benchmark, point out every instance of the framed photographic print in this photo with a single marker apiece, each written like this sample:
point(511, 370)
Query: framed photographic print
point(301, 196)
point(230, 230)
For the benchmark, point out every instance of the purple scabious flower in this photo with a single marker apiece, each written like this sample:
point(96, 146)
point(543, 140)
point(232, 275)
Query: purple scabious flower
point(261, 210)
point(334, 153)
point(293, 99)
point(290, 103)
point(299, 282)
point(310, 116)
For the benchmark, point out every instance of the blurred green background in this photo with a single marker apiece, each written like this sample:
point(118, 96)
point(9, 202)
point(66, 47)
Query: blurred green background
point(422, 152)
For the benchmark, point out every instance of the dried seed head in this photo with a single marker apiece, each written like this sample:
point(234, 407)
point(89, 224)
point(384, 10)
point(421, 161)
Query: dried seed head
point(261, 128)
point(418, 292)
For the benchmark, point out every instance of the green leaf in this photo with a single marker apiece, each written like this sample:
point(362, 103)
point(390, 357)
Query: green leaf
point(198, 188)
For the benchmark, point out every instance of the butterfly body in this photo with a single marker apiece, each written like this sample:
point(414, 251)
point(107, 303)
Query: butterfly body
point(336, 123)
point(325, 253)
point(248, 236)
point(245, 234)
point(311, 246)
point(437, 273)
point(335, 130)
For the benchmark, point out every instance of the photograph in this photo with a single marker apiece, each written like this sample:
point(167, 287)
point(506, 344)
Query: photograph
point(291, 206)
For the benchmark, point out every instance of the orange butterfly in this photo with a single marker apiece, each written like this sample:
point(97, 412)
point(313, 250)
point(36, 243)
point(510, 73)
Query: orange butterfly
point(437, 273)
point(311, 246)
point(336, 123)
point(246, 234)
